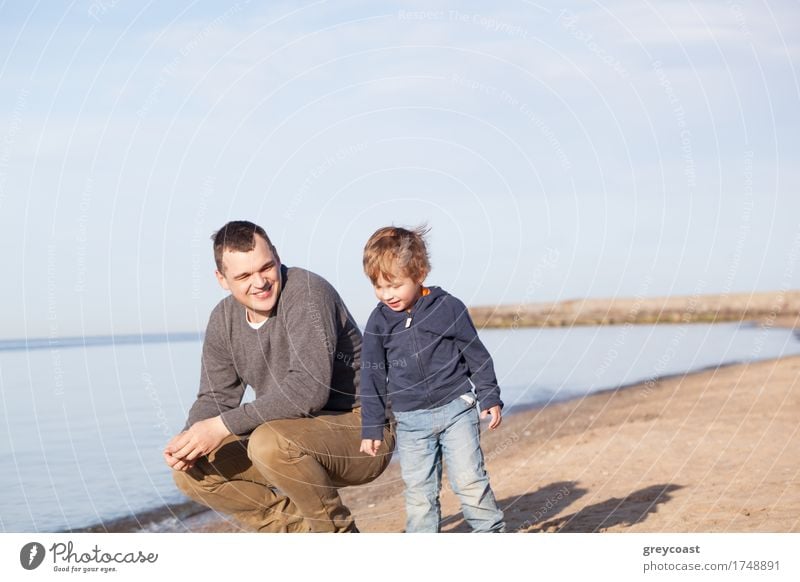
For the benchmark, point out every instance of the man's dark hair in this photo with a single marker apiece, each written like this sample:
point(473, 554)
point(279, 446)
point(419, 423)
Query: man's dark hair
point(239, 236)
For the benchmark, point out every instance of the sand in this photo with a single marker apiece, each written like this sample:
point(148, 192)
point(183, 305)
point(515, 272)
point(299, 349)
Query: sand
point(714, 451)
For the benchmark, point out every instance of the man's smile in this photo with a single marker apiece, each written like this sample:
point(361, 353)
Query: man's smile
point(264, 293)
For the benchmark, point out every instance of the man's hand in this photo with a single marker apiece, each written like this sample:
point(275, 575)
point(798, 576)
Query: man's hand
point(177, 464)
point(370, 446)
point(201, 438)
point(497, 416)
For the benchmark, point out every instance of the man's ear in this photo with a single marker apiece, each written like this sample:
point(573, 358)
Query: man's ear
point(275, 254)
point(222, 281)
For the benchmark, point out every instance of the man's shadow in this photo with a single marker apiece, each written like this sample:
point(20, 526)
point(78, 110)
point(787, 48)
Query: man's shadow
point(533, 512)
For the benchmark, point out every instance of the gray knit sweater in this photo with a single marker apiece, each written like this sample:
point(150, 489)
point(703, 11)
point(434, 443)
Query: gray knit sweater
point(304, 359)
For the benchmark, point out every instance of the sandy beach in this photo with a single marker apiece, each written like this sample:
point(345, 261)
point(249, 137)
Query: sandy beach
point(714, 451)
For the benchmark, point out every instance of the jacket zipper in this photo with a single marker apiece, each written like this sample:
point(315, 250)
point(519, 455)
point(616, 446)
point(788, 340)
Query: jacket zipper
point(424, 377)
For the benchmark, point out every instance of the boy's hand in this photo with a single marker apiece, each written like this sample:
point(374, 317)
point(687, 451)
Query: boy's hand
point(370, 446)
point(497, 416)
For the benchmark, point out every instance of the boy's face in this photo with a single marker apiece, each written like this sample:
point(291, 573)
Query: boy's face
point(253, 278)
point(400, 293)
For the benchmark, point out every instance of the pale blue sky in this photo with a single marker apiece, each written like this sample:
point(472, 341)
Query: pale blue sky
point(557, 151)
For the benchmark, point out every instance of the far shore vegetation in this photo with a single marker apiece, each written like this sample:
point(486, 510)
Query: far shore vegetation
point(770, 309)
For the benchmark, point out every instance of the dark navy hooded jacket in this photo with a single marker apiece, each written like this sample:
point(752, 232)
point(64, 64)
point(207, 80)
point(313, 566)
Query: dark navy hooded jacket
point(427, 364)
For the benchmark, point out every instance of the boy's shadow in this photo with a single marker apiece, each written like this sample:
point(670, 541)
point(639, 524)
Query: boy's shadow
point(634, 508)
point(529, 513)
point(523, 511)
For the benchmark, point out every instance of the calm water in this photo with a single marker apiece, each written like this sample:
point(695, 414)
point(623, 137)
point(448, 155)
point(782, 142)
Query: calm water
point(84, 426)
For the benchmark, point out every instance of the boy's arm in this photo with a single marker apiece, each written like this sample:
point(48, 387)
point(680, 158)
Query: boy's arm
point(370, 446)
point(373, 382)
point(476, 355)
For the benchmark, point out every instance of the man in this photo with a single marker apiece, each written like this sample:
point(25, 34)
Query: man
point(275, 463)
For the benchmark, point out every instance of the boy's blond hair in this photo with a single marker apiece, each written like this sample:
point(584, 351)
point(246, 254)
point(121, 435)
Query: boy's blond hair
point(392, 248)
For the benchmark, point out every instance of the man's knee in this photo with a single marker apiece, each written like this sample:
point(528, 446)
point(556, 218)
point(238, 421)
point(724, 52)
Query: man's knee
point(267, 447)
point(187, 484)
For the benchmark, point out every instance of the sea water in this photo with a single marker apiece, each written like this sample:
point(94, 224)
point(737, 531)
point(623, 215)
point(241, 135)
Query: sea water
point(84, 423)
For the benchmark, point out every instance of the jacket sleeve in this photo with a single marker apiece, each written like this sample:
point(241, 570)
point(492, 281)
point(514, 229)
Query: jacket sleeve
point(221, 389)
point(476, 355)
point(311, 324)
point(373, 381)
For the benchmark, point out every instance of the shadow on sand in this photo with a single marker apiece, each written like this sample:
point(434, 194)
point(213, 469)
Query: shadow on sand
point(529, 513)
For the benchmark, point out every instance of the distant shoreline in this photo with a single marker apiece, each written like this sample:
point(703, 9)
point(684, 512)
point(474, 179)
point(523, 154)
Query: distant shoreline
point(67, 342)
point(771, 309)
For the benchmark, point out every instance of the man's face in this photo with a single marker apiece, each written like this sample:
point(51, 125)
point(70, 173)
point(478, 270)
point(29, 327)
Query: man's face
point(253, 278)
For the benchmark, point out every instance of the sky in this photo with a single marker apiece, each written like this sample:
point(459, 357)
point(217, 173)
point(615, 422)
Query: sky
point(557, 151)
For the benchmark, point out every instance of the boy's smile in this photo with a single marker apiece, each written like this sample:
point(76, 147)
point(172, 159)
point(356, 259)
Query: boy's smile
point(399, 294)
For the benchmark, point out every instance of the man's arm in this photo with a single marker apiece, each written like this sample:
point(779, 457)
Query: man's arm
point(311, 324)
point(220, 389)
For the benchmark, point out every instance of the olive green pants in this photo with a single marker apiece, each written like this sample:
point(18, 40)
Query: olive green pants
point(285, 476)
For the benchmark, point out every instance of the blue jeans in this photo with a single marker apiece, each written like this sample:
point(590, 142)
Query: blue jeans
point(452, 432)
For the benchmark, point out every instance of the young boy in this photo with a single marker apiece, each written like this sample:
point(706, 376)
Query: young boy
point(420, 351)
